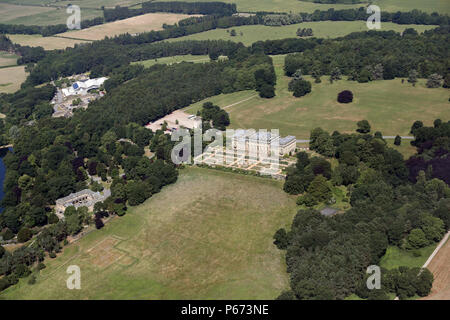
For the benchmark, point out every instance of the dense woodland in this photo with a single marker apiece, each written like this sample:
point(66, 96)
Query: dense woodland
point(393, 203)
point(352, 54)
point(356, 54)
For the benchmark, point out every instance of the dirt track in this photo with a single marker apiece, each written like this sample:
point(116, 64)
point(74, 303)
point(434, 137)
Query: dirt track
point(440, 267)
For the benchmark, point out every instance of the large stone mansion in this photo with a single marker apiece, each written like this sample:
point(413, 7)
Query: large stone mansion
point(84, 198)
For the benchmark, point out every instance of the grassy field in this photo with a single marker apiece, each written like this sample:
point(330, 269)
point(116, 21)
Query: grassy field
point(7, 59)
point(282, 5)
point(11, 78)
point(395, 257)
point(441, 6)
point(209, 236)
point(10, 12)
point(323, 29)
point(97, 4)
point(38, 15)
point(250, 34)
point(405, 148)
point(35, 12)
point(269, 5)
point(143, 23)
point(48, 43)
point(390, 106)
point(174, 59)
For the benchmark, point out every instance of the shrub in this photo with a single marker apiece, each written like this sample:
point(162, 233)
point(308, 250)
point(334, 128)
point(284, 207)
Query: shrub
point(416, 239)
point(345, 96)
point(7, 234)
point(300, 87)
point(434, 81)
point(398, 140)
point(24, 235)
point(41, 266)
point(4, 283)
point(363, 126)
point(307, 200)
point(98, 223)
point(287, 295)
point(52, 255)
point(52, 218)
point(267, 91)
point(32, 280)
point(281, 239)
point(21, 271)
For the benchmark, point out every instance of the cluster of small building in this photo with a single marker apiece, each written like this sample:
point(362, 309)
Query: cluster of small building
point(83, 86)
point(174, 121)
point(63, 101)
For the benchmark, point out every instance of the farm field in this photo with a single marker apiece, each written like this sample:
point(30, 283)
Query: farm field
point(214, 242)
point(174, 59)
point(45, 12)
point(48, 43)
point(7, 59)
point(11, 12)
point(309, 6)
point(39, 15)
point(143, 23)
point(11, 78)
point(282, 5)
point(440, 266)
point(430, 6)
point(250, 34)
point(82, 3)
point(390, 106)
point(321, 29)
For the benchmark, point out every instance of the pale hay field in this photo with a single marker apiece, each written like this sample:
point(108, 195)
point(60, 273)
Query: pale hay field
point(11, 78)
point(48, 43)
point(7, 59)
point(143, 23)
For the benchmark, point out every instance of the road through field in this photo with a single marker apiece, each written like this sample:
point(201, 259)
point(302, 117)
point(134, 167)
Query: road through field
point(233, 104)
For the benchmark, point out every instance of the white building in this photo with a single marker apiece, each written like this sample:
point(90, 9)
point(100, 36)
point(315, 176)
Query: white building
point(288, 145)
point(251, 142)
point(82, 87)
